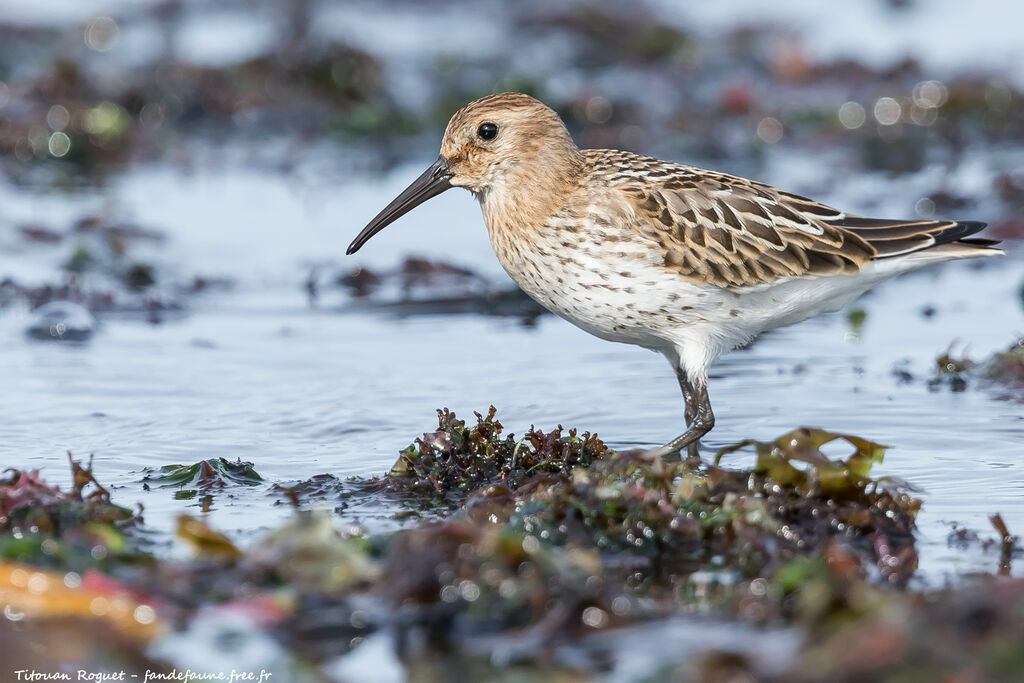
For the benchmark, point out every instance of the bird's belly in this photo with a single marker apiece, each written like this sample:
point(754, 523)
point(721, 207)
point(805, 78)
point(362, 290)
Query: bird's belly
point(619, 299)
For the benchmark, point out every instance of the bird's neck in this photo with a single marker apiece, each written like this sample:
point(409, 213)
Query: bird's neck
point(528, 193)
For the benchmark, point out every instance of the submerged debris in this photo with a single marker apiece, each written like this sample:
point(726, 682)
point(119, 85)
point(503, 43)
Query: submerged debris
point(1002, 372)
point(419, 286)
point(1006, 544)
point(1005, 370)
point(62, 321)
point(950, 372)
point(106, 266)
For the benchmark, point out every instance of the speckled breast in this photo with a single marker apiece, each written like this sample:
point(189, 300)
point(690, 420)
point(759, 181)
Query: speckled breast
point(598, 277)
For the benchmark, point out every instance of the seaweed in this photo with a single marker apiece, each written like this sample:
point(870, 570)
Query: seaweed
point(1005, 370)
point(100, 270)
point(950, 372)
point(554, 538)
point(213, 473)
point(79, 528)
point(1002, 372)
point(453, 461)
point(1006, 544)
point(450, 581)
point(206, 543)
point(677, 518)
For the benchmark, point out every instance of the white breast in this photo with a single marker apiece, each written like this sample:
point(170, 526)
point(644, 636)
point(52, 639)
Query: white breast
point(601, 278)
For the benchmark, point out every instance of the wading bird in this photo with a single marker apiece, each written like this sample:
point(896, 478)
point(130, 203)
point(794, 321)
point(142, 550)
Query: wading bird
point(687, 262)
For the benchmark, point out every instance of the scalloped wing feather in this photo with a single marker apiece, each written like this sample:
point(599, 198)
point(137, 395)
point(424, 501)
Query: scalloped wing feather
point(732, 232)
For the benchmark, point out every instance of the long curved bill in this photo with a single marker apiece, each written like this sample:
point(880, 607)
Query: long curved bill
point(433, 182)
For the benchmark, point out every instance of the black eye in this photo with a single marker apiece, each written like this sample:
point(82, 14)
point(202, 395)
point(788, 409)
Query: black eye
point(487, 131)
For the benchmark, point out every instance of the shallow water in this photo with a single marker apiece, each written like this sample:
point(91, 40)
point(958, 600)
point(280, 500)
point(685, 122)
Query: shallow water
point(258, 374)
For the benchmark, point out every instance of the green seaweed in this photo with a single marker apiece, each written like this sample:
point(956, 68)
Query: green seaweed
point(455, 460)
point(848, 477)
point(205, 474)
point(555, 538)
point(79, 528)
point(856, 317)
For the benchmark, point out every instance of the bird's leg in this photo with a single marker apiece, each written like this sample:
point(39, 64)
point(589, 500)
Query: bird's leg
point(691, 410)
point(703, 420)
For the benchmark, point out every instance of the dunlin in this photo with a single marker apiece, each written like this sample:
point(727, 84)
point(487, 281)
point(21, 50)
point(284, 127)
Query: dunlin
point(673, 258)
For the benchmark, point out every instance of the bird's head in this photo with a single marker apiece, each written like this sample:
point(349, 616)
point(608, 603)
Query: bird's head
point(490, 147)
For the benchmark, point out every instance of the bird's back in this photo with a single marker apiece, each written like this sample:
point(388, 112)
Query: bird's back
point(735, 233)
point(644, 247)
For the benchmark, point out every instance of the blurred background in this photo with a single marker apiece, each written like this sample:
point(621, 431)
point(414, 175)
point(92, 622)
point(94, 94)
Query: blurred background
point(179, 180)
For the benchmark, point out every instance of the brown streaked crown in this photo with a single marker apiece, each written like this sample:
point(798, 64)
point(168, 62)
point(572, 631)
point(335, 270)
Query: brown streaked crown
point(529, 134)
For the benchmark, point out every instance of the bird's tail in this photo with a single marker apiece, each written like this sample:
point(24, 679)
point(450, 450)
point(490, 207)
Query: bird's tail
point(891, 238)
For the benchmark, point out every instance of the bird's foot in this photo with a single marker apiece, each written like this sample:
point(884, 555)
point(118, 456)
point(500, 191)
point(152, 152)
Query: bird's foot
point(668, 453)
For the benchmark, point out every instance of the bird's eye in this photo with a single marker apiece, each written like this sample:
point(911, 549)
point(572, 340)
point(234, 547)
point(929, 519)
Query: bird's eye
point(487, 131)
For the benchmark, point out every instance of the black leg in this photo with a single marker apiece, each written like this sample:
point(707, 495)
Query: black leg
point(702, 422)
point(691, 409)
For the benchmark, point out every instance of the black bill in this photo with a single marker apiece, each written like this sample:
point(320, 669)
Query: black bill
point(433, 182)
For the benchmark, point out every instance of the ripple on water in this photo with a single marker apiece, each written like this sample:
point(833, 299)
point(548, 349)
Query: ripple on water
point(301, 392)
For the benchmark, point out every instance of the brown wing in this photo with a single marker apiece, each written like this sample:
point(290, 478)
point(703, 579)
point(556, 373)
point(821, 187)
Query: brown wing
point(895, 238)
point(733, 232)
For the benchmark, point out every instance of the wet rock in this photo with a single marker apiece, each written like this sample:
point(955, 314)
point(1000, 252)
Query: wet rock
point(62, 321)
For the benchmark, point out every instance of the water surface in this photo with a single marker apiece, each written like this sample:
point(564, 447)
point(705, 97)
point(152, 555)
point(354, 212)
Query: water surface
point(257, 373)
